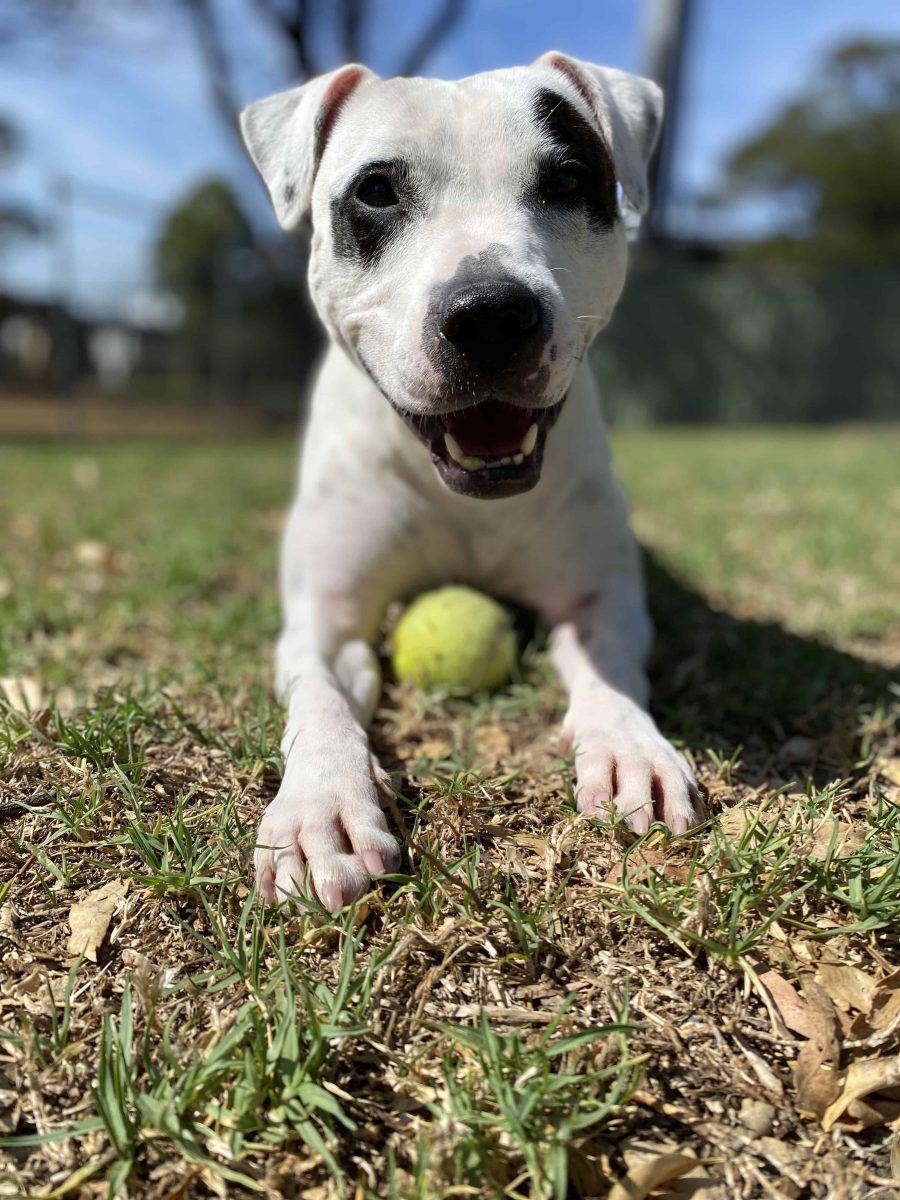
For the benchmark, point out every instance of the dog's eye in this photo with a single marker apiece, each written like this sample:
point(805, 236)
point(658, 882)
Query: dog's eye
point(375, 191)
point(561, 183)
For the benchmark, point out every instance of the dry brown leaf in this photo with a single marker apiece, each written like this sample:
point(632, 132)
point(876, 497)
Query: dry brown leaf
point(649, 1170)
point(761, 1068)
point(492, 744)
point(864, 1079)
point(534, 843)
point(589, 1168)
point(849, 987)
point(758, 1116)
point(890, 770)
point(834, 838)
point(816, 1076)
point(799, 749)
point(22, 692)
point(639, 865)
point(432, 748)
point(9, 1110)
point(88, 552)
point(734, 821)
point(89, 918)
point(864, 1114)
point(816, 1082)
point(882, 1020)
point(789, 1005)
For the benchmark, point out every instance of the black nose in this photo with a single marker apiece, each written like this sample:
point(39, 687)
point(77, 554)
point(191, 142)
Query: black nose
point(491, 323)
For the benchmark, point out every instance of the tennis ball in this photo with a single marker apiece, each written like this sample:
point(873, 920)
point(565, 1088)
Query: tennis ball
point(456, 639)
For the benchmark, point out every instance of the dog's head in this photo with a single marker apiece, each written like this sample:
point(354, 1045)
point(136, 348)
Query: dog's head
point(467, 239)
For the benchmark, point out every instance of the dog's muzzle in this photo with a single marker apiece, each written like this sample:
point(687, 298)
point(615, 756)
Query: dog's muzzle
point(484, 336)
point(491, 327)
point(488, 450)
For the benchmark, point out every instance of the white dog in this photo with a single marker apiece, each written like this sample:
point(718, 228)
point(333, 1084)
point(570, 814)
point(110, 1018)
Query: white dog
point(468, 245)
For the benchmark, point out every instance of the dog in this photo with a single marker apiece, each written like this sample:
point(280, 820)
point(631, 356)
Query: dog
point(468, 244)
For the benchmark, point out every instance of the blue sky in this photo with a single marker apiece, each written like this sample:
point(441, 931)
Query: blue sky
point(128, 107)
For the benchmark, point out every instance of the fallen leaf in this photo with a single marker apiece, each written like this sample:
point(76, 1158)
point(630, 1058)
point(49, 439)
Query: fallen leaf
point(589, 1168)
point(9, 1110)
point(432, 748)
point(790, 1006)
point(492, 744)
point(639, 865)
point(735, 821)
point(882, 1020)
point(151, 981)
point(89, 918)
point(816, 1075)
point(864, 1114)
point(86, 473)
point(761, 1068)
point(832, 838)
point(649, 1169)
point(91, 553)
point(849, 987)
point(799, 749)
point(537, 845)
point(758, 1116)
point(23, 693)
point(864, 1079)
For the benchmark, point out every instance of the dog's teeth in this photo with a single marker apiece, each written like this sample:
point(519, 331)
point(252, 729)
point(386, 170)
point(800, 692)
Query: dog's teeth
point(505, 462)
point(469, 462)
point(518, 459)
point(454, 449)
point(530, 440)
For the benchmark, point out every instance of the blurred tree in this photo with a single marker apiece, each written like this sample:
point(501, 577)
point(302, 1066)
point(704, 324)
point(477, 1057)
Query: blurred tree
point(197, 232)
point(833, 157)
point(295, 24)
point(301, 28)
point(15, 219)
point(244, 318)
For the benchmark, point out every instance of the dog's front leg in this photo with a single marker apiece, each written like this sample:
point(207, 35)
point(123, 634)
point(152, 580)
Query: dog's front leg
point(326, 818)
point(623, 763)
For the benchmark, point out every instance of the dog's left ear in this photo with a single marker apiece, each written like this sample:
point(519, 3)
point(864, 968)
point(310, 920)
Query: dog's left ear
point(629, 111)
point(286, 135)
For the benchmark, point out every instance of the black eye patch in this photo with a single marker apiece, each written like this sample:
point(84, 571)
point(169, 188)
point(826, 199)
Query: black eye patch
point(373, 209)
point(578, 171)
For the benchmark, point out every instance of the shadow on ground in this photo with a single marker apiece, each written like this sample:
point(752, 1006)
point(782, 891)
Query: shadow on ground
point(794, 706)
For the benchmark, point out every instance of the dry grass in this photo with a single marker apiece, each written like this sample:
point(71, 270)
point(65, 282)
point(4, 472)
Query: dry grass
point(538, 1005)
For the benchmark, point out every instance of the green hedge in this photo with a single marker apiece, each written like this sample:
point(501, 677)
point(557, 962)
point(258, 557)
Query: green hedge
point(726, 344)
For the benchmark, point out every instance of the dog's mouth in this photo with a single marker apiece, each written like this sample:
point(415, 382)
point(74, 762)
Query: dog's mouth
point(489, 449)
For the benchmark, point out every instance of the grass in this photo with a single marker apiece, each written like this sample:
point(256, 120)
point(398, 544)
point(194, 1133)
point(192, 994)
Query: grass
point(536, 1004)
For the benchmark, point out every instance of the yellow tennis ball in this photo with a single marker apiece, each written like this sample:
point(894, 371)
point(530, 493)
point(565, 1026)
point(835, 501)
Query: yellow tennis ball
point(455, 639)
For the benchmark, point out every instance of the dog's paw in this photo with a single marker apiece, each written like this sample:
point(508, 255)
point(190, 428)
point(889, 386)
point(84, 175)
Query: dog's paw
point(337, 834)
point(633, 772)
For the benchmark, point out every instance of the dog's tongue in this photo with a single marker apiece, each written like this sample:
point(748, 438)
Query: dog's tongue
point(489, 430)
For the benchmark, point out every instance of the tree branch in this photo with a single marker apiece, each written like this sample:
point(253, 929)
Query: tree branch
point(352, 27)
point(218, 67)
point(431, 36)
point(293, 29)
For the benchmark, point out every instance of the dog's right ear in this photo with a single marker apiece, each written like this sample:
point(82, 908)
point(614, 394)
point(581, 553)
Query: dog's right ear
point(286, 135)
